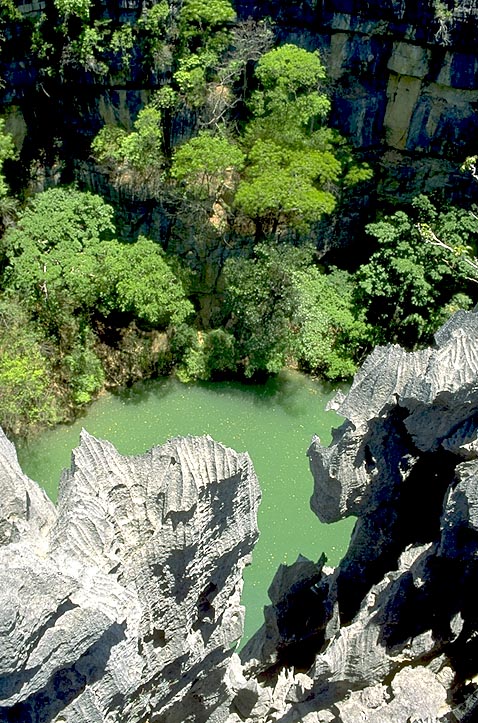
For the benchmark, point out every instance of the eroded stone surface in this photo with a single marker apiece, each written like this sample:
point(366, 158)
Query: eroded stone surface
point(131, 604)
point(397, 623)
point(121, 605)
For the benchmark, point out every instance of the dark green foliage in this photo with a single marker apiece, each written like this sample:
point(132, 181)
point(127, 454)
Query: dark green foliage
point(54, 253)
point(284, 309)
point(330, 338)
point(70, 271)
point(202, 354)
point(81, 368)
point(262, 299)
point(219, 352)
point(138, 279)
point(7, 150)
point(409, 281)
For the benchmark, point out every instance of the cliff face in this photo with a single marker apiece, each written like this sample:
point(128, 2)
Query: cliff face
point(122, 604)
point(403, 79)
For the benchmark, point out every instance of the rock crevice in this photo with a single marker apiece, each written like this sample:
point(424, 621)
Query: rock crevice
point(122, 604)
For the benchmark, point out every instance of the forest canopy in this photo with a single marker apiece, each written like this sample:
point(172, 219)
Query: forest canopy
point(199, 250)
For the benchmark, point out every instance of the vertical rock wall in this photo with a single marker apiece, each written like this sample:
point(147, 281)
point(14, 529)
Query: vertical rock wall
point(404, 85)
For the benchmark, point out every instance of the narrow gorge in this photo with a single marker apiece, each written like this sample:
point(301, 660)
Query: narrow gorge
point(121, 603)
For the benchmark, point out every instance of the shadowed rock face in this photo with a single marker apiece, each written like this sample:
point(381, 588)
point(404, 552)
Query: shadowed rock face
point(121, 605)
point(124, 601)
point(402, 77)
point(395, 633)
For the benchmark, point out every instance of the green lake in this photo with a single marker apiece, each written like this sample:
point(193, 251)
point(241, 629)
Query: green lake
point(273, 422)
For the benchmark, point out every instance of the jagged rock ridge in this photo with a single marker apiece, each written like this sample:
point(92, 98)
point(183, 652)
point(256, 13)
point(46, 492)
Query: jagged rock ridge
point(124, 601)
point(394, 639)
point(121, 605)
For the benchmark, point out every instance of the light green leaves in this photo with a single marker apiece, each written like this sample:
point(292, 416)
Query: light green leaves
point(287, 185)
point(288, 97)
point(7, 150)
point(79, 8)
point(200, 15)
point(207, 164)
point(140, 281)
point(63, 260)
point(329, 335)
point(25, 374)
point(136, 157)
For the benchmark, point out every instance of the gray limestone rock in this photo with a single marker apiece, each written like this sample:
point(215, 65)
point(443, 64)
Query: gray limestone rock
point(121, 605)
point(128, 608)
point(399, 615)
point(26, 511)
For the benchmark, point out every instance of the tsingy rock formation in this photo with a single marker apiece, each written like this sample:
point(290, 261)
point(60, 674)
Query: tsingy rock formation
point(123, 603)
point(390, 635)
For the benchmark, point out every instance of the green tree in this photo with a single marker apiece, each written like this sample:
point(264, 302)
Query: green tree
point(78, 8)
point(409, 282)
point(289, 105)
point(206, 163)
point(284, 309)
point(27, 397)
point(8, 205)
point(206, 355)
point(329, 338)
point(207, 167)
point(81, 369)
point(65, 263)
point(286, 187)
point(138, 279)
point(262, 300)
point(204, 34)
point(54, 253)
point(203, 20)
point(7, 151)
point(294, 167)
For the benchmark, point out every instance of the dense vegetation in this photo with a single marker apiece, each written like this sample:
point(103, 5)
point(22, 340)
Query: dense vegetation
point(236, 286)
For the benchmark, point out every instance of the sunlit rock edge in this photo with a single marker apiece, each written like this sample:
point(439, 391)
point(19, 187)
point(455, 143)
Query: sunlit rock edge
point(122, 604)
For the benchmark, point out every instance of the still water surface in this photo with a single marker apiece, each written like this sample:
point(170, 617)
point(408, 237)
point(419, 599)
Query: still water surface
point(273, 422)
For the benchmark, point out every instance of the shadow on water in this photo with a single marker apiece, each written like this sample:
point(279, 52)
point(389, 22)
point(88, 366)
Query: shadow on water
point(274, 422)
point(286, 390)
point(141, 392)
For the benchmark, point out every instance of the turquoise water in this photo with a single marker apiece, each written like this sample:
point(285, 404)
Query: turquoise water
point(273, 422)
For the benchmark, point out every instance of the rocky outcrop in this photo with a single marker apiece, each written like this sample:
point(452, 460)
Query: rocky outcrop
point(391, 636)
point(122, 604)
